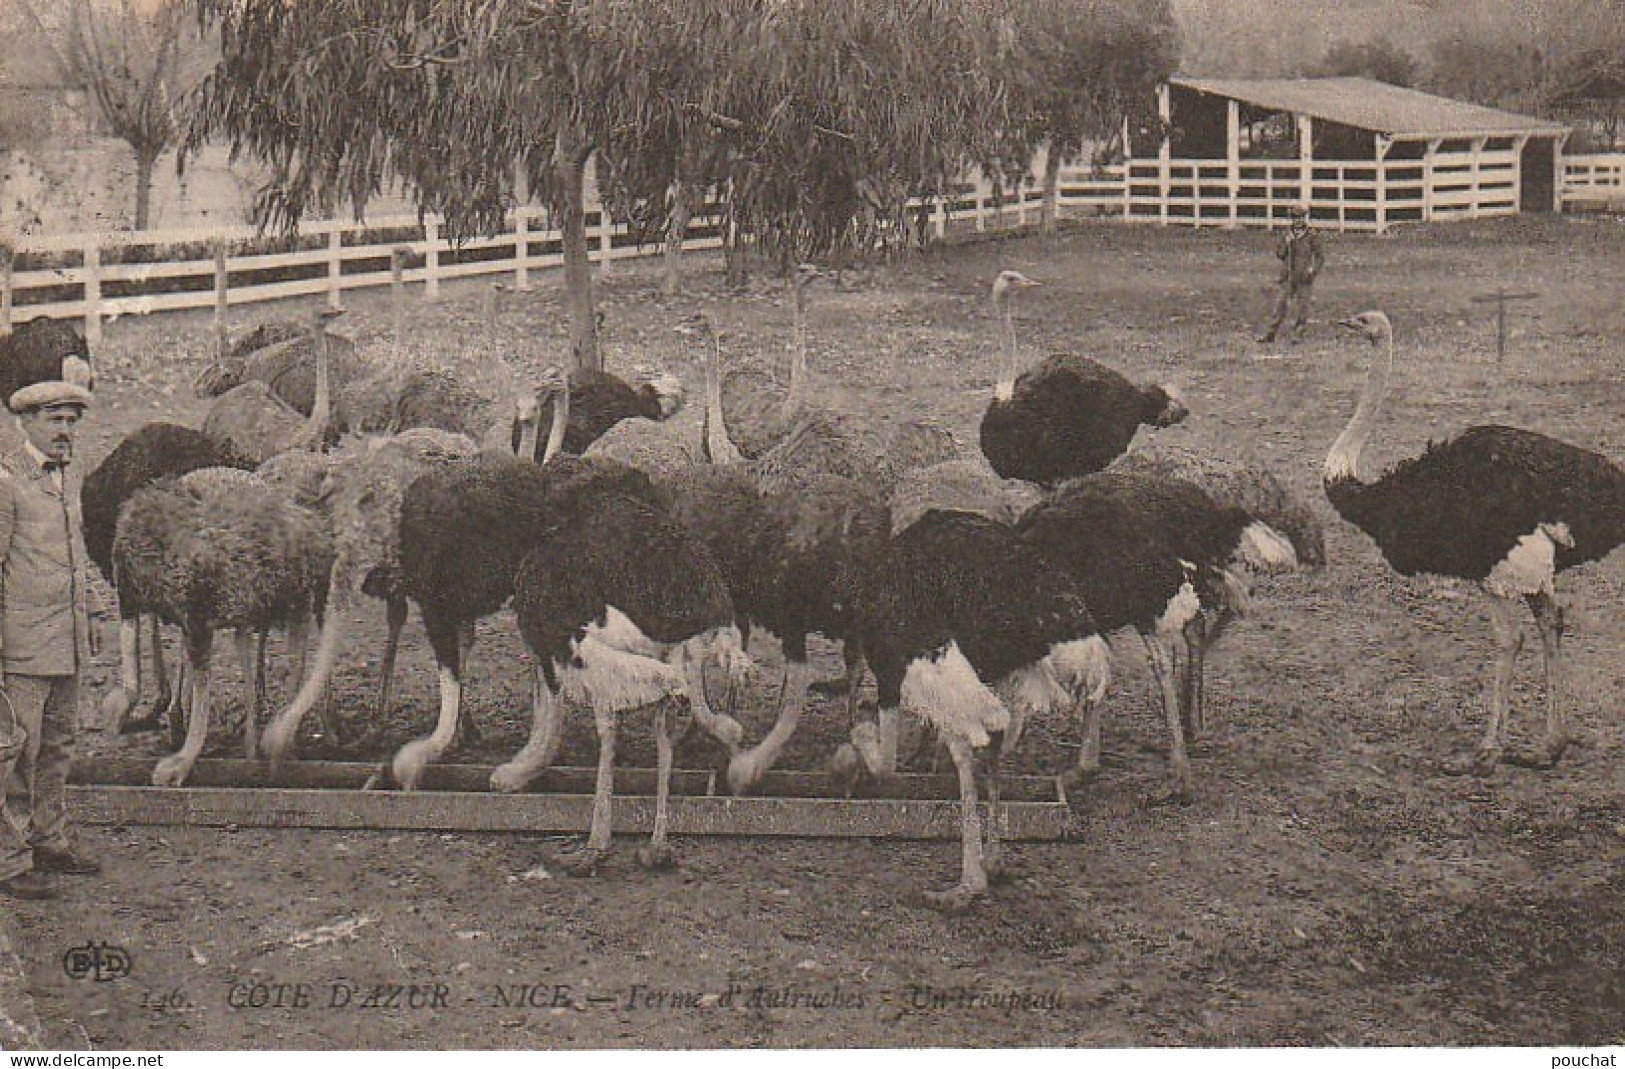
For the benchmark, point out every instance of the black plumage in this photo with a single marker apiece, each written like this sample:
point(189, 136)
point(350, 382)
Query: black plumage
point(43, 350)
point(1069, 416)
point(598, 400)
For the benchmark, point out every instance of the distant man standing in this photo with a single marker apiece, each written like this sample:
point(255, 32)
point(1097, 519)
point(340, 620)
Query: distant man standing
point(1301, 260)
point(44, 639)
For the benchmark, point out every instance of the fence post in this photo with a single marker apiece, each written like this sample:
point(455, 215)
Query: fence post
point(93, 294)
point(939, 219)
point(1232, 159)
point(335, 268)
point(397, 294)
point(7, 258)
point(606, 240)
point(1478, 147)
point(221, 335)
point(521, 250)
point(981, 204)
point(431, 260)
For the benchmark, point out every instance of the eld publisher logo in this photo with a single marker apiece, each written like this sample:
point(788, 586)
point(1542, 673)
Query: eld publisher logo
point(100, 962)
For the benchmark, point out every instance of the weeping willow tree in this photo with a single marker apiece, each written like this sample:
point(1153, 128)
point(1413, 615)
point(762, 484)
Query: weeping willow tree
point(815, 120)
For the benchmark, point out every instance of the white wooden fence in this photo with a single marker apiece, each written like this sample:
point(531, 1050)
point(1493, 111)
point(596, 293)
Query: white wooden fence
point(98, 277)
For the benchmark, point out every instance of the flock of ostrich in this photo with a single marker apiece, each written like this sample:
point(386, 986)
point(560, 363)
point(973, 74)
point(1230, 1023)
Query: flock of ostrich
point(976, 588)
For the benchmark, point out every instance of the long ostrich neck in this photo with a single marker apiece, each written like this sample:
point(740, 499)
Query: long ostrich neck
point(561, 416)
point(1343, 461)
point(798, 338)
point(1007, 332)
point(527, 435)
point(717, 443)
point(315, 428)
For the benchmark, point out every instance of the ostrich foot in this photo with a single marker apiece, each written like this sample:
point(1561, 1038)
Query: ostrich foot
point(744, 772)
point(171, 771)
point(656, 858)
point(1543, 759)
point(583, 861)
point(846, 769)
point(410, 763)
point(1481, 762)
point(382, 779)
point(511, 778)
point(955, 900)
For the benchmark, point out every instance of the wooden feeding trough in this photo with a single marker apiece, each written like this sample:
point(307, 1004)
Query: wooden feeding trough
point(320, 794)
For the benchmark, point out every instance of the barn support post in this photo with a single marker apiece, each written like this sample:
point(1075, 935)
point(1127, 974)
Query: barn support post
point(222, 336)
point(1382, 144)
point(1518, 145)
point(1558, 145)
point(1306, 160)
point(1164, 150)
point(431, 259)
point(93, 293)
point(7, 259)
point(1429, 158)
point(1232, 158)
point(335, 268)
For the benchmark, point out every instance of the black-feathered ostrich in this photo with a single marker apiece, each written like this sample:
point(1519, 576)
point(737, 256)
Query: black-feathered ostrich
point(1150, 554)
point(599, 400)
point(1067, 416)
point(1505, 508)
point(973, 631)
point(793, 548)
point(42, 350)
point(152, 452)
point(464, 531)
point(623, 609)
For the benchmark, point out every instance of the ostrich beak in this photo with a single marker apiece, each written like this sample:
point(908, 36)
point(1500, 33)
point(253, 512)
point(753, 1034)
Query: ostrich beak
point(1351, 323)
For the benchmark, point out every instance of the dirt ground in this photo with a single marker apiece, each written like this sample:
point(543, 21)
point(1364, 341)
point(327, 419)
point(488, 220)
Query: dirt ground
point(1330, 885)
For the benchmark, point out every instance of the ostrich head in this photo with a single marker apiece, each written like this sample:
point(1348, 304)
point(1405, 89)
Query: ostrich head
point(1167, 405)
point(663, 387)
point(1373, 326)
point(1007, 281)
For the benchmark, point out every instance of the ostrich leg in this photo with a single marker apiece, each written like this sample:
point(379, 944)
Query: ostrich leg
point(173, 770)
point(585, 861)
point(1087, 709)
point(1549, 618)
point(1161, 657)
point(746, 769)
point(121, 699)
point(467, 732)
point(973, 874)
point(993, 856)
point(395, 610)
point(1508, 629)
point(415, 756)
point(658, 855)
point(160, 672)
point(537, 753)
point(253, 669)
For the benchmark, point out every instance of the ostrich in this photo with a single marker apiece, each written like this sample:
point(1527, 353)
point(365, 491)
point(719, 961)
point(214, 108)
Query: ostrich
point(252, 422)
point(599, 401)
point(218, 548)
point(973, 631)
point(651, 446)
point(793, 555)
point(153, 451)
point(1067, 416)
point(41, 350)
point(760, 411)
point(622, 608)
point(464, 530)
point(966, 485)
point(1150, 554)
point(281, 355)
point(1502, 507)
point(361, 497)
point(1236, 483)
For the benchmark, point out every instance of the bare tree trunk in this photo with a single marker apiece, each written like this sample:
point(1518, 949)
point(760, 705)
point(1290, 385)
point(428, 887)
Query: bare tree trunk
point(1052, 191)
point(733, 249)
point(145, 162)
point(570, 161)
point(682, 212)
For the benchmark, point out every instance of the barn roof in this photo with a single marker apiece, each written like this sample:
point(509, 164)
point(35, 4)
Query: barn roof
point(1371, 105)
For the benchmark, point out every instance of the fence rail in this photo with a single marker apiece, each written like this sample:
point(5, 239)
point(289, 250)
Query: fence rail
point(98, 277)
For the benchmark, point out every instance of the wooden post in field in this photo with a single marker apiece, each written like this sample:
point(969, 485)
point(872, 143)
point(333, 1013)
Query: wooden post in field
point(1380, 175)
point(431, 260)
point(1500, 298)
point(1232, 160)
point(93, 294)
point(335, 269)
point(397, 294)
point(1306, 161)
point(1164, 150)
point(221, 335)
point(981, 203)
point(7, 259)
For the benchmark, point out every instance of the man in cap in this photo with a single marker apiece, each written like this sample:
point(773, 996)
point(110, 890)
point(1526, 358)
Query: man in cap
point(1301, 260)
point(44, 639)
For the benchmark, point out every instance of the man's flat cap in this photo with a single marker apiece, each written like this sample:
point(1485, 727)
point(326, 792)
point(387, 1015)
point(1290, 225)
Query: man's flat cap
point(52, 394)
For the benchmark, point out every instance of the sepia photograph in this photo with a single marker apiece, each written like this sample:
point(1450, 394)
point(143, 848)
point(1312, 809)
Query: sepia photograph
point(692, 525)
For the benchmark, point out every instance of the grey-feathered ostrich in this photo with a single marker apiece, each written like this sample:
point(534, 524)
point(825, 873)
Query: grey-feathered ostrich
point(793, 549)
point(1232, 482)
point(255, 424)
point(964, 485)
point(42, 350)
point(361, 498)
point(1150, 554)
point(1067, 416)
point(623, 609)
point(216, 549)
point(1505, 508)
point(973, 631)
point(281, 355)
point(152, 452)
point(464, 531)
